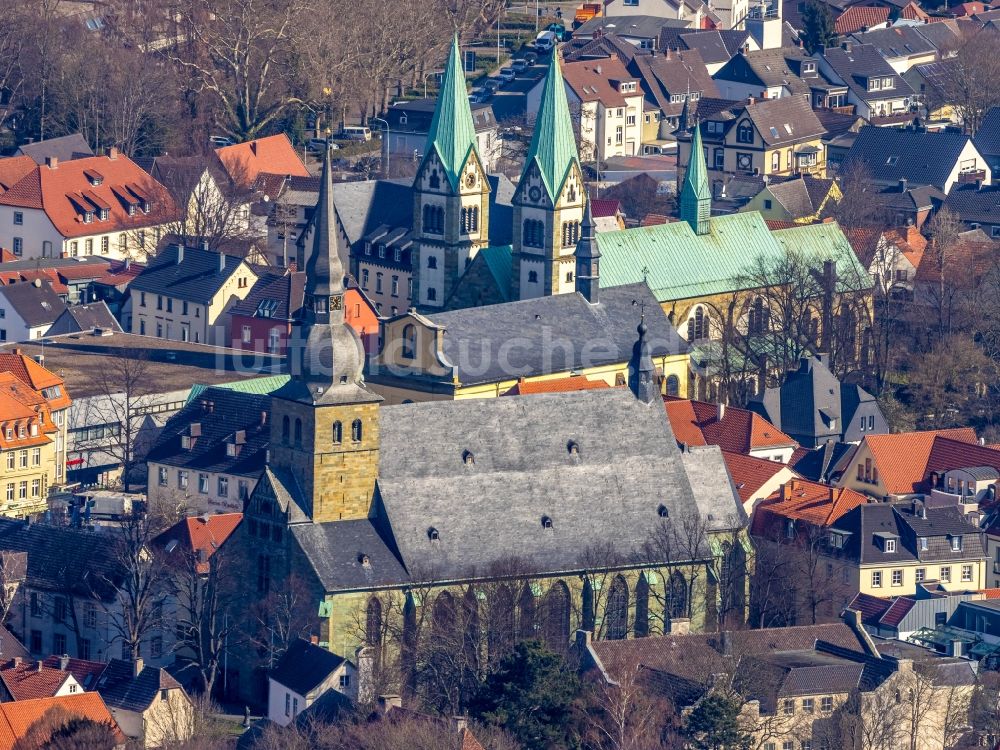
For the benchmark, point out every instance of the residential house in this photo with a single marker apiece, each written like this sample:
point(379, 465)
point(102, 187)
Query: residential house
point(804, 199)
point(608, 214)
point(987, 140)
point(244, 163)
point(304, 674)
point(385, 269)
point(940, 160)
point(196, 538)
point(861, 17)
point(187, 293)
point(112, 289)
point(874, 88)
point(84, 318)
point(101, 205)
point(731, 428)
point(28, 310)
point(892, 257)
point(24, 680)
point(610, 106)
point(409, 122)
point(977, 207)
point(63, 148)
point(768, 74)
point(893, 466)
point(813, 406)
point(12, 169)
point(903, 47)
point(715, 47)
point(27, 448)
point(756, 478)
point(640, 26)
point(208, 456)
point(457, 354)
point(820, 464)
point(30, 370)
point(929, 82)
point(262, 321)
point(17, 717)
point(669, 80)
point(901, 617)
point(766, 137)
point(907, 204)
point(148, 704)
point(290, 207)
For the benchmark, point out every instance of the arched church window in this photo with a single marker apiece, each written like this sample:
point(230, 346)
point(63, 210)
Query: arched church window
point(338, 433)
point(673, 385)
point(409, 341)
point(435, 180)
point(432, 261)
point(533, 277)
point(356, 431)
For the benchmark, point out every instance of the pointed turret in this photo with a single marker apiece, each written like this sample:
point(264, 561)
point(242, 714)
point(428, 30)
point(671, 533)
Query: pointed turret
point(452, 134)
point(325, 354)
point(588, 259)
point(641, 370)
point(553, 144)
point(696, 198)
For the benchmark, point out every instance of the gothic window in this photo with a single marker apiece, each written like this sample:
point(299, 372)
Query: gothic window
point(616, 615)
point(409, 341)
point(571, 194)
point(757, 318)
point(732, 579)
point(298, 433)
point(500, 622)
point(570, 233)
point(263, 574)
point(676, 596)
point(432, 261)
point(338, 433)
point(532, 277)
point(470, 219)
point(285, 425)
point(673, 385)
point(443, 615)
point(641, 628)
point(744, 132)
point(373, 622)
point(587, 605)
point(434, 219)
point(526, 607)
point(533, 233)
point(356, 431)
point(408, 651)
point(435, 180)
point(697, 327)
point(555, 623)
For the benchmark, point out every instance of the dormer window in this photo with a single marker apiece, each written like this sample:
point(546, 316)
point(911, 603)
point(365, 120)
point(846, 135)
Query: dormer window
point(131, 209)
point(467, 458)
point(956, 544)
point(890, 545)
point(88, 216)
point(790, 528)
point(146, 206)
point(103, 214)
point(573, 448)
point(94, 178)
point(546, 522)
point(186, 442)
point(662, 511)
point(433, 534)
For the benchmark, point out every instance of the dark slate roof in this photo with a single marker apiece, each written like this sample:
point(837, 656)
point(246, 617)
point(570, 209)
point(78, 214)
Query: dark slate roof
point(987, 138)
point(37, 305)
point(232, 413)
point(715, 46)
point(972, 204)
point(817, 464)
point(196, 279)
point(862, 61)
point(88, 317)
point(898, 41)
point(277, 296)
point(304, 666)
point(865, 521)
point(61, 558)
point(521, 471)
point(645, 27)
point(64, 148)
point(911, 198)
point(120, 689)
point(922, 158)
point(337, 553)
point(767, 67)
point(594, 334)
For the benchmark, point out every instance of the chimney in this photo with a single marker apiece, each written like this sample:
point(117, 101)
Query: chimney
point(666, 52)
point(751, 100)
point(39, 665)
point(222, 262)
point(846, 46)
point(263, 418)
point(680, 626)
point(902, 185)
point(955, 648)
point(459, 723)
point(720, 410)
point(727, 643)
point(113, 153)
point(128, 263)
point(17, 661)
point(204, 245)
point(64, 662)
point(180, 254)
point(388, 702)
point(52, 162)
point(137, 666)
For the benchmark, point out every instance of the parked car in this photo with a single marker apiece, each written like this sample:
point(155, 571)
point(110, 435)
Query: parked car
point(491, 84)
point(220, 141)
point(479, 96)
point(506, 75)
point(316, 145)
point(519, 66)
point(545, 42)
point(356, 133)
point(531, 57)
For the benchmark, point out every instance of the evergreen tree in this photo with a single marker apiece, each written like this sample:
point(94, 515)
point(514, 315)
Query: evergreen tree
point(818, 26)
point(714, 724)
point(530, 695)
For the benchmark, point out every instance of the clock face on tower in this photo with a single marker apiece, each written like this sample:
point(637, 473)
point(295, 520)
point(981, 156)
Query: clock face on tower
point(336, 302)
point(470, 180)
point(534, 193)
point(743, 161)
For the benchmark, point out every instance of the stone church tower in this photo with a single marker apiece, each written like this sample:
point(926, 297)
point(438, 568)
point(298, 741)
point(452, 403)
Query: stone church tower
point(549, 200)
point(451, 194)
point(324, 421)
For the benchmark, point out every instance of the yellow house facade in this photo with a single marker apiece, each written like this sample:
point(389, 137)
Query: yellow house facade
point(805, 200)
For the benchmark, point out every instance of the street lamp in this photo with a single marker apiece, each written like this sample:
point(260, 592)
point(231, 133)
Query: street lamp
point(385, 141)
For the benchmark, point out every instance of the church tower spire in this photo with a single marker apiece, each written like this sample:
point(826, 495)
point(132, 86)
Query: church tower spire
point(324, 426)
point(696, 198)
point(450, 192)
point(588, 259)
point(548, 203)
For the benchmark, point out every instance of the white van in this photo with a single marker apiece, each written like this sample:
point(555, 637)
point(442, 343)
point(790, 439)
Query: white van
point(545, 42)
point(356, 133)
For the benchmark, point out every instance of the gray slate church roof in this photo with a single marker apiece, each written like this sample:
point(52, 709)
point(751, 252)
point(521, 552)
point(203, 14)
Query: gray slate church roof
point(522, 467)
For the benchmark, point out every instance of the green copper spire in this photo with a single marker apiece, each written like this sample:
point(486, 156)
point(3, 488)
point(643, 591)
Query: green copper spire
point(452, 133)
point(553, 144)
point(696, 198)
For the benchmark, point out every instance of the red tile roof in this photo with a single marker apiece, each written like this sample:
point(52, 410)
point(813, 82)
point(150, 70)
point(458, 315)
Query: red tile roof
point(947, 454)
point(604, 207)
point(876, 610)
point(84, 671)
point(25, 680)
point(274, 155)
point(29, 372)
point(202, 535)
point(65, 193)
point(774, 224)
point(802, 500)
point(897, 611)
point(990, 593)
point(555, 385)
point(16, 717)
point(13, 169)
point(901, 458)
point(599, 80)
point(859, 18)
point(749, 473)
point(739, 430)
point(914, 12)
